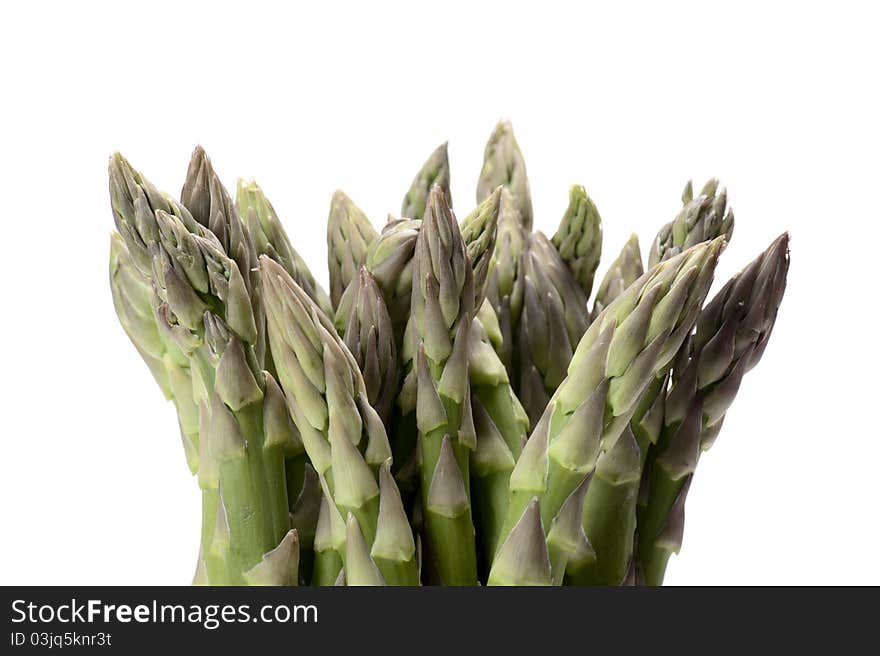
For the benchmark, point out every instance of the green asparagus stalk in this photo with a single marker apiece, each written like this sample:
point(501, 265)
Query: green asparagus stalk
point(579, 238)
point(488, 377)
point(501, 423)
point(700, 219)
point(609, 515)
point(270, 239)
point(503, 165)
point(704, 218)
point(732, 333)
point(610, 526)
point(623, 272)
point(504, 287)
point(201, 305)
point(435, 171)
point(552, 322)
point(501, 426)
point(370, 338)
point(479, 230)
point(442, 311)
point(349, 235)
point(342, 434)
point(210, 204)
point(206, 306)
point(631, 341)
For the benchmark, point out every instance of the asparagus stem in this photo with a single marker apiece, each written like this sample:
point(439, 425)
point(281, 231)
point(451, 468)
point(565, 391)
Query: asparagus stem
point(442, 310)
point(732, 333)
point(504, 288)
point(624, 349)
point(203, 304)
point(609, 517)
point(342, 434)
point(611, 530)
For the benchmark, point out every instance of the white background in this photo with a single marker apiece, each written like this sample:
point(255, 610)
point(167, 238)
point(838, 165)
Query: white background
point(780, 101)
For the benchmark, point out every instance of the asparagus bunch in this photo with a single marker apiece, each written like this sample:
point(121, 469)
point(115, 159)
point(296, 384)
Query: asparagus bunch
point(202, 304)
point(456, 410)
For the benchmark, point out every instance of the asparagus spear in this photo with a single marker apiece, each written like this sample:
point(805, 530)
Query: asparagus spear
point(501, 426)
point(442, 311)
point(609, 526)
point(504, 287)
point(503, 165)
point(579, 238)
point(349, 234)
point(732, 333)
point(631, 341)
point(203, 306)
point(623, 272)
point(206, 306)
point(501, 423)
point(210, 204)
point(270, 239)
point(435, 171)
point(370, 338)
point(342, 434)
point(700, 219)
point(147, 219)
point(479, 230)
point(552, 322)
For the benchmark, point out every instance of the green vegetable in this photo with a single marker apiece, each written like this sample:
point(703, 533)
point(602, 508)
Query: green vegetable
point(342, 434)
point(435, 171)
point(349, 234)
point(503, 165)
point(701, 219)
point(732, 333)
point(552, 322)
point(623, 350)
point(452, 413)
point(442, 312)
point(203, 305)
point(370, 338)
point(579, 237)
